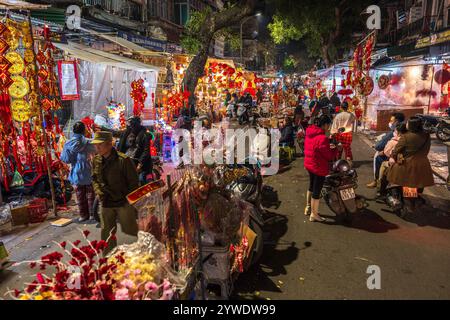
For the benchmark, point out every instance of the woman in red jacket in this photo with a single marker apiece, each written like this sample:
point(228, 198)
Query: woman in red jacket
point(318, 154)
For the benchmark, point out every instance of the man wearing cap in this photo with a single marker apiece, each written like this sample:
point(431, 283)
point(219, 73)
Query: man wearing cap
point(114, 177)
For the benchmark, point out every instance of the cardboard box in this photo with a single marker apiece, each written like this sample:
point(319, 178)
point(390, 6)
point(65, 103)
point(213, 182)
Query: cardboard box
point(20, 216)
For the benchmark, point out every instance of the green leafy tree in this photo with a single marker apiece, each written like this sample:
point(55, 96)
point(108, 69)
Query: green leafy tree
point(325, 26)
point(205, 26)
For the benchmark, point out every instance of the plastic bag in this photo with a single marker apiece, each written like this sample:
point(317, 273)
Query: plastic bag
point(5, 215)
point(154, 252)
point(17, 180)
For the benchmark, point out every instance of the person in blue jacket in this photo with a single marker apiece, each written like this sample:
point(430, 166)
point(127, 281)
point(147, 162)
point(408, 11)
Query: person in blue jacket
point(77, 152)
point(380, 157)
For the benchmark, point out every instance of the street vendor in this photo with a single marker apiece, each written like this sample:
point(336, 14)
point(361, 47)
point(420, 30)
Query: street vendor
point(114, 177)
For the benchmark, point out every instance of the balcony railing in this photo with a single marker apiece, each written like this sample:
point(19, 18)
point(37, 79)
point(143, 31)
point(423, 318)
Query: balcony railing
point(122, 8)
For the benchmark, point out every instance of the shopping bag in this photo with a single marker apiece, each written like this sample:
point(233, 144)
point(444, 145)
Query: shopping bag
point(17, 180)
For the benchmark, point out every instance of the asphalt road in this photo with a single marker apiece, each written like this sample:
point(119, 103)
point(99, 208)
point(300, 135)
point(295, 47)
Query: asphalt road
point(304, 260)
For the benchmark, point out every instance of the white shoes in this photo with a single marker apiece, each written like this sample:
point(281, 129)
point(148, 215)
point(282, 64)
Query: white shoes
point(315, 217)
point(308, 203)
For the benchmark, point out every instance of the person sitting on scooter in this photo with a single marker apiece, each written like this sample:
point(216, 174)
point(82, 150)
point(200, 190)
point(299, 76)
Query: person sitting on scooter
point(287, 133)
point(384, 169)
point(380, 157)
point(318, 154)
point(410, 165)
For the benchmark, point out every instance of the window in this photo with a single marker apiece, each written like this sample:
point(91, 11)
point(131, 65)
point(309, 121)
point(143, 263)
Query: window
point(181, 13)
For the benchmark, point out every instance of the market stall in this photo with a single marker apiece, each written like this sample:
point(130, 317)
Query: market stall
point(106, 82)
point(30, 133)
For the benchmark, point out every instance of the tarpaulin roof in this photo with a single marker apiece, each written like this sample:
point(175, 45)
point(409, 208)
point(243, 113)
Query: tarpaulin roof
point(21, 5)
point(86, 53)
point(131, 45)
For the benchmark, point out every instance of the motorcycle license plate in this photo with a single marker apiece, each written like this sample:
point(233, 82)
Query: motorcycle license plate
point(410, 192)
point(348, 194)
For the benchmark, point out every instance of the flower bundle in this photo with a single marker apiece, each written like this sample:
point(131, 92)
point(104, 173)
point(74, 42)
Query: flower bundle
point(86, 275)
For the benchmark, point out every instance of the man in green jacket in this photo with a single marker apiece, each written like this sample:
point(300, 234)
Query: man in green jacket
point(114, 177)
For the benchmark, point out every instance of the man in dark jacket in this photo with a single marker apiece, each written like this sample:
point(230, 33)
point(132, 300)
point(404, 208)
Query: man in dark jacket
point(287, 133)
point(135, 143)
point(114, 177)
point(380, 157)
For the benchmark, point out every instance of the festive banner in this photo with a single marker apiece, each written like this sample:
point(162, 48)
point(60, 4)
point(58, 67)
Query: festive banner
point(68, 80)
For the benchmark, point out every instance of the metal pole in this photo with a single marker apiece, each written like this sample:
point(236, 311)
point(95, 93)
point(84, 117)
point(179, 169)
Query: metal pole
point(431, 89)
point(242, 41)
point(41, 120)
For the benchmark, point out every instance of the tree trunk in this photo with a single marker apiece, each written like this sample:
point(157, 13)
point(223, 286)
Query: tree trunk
point(326, 55)
point(195, 70)
point(215, 22)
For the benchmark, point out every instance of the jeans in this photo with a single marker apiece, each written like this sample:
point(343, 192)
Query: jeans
point(378, 162)
point(85, 199)
point(315, 185)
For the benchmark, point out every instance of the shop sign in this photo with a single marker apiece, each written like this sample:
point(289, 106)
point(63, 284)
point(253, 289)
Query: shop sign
point(174, 48)
point(145, 42)
point(433, 39)
point(68, 80)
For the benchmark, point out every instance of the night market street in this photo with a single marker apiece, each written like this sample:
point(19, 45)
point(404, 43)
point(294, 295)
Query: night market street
point(304, 260)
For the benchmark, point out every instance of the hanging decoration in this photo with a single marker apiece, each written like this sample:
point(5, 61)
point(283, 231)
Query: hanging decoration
point(138, 94)
point(46, 74)
point(383, 82)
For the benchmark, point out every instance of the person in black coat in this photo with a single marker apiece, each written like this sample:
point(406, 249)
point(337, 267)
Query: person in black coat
point(287, 133)
point(135, 143)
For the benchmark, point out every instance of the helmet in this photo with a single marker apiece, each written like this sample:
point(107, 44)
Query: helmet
point(341, 166)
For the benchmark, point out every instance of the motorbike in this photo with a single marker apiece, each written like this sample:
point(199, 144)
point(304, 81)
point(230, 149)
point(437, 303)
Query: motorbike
point(243, 113)
point(339, 192)
point(402, 200)
point(249, 188)
point(440, 126)
point(339, 189)
point(36, 183)
point(230, 111)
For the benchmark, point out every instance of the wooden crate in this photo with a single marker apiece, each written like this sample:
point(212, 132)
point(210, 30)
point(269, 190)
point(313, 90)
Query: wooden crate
point(20, 216)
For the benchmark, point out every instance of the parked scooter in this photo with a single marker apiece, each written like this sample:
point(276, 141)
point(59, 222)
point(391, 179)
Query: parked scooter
point(231, 111)
point(440, 126)
point(339, 192)
point(243, 113)
point(249, 188)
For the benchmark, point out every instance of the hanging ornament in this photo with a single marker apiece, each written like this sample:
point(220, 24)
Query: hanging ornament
point(383, 82)
point(17, 63)
point(20, 110)
point(19, 87)
point(366, 87)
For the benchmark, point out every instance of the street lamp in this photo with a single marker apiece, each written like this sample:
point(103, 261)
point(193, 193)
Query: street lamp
point(258, 14)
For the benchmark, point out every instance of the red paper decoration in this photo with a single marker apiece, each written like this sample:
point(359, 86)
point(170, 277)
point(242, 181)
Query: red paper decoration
point(138, 94)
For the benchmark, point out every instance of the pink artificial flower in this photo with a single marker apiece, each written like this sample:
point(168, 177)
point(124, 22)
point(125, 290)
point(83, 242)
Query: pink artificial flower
point(167, 295)
point(122, 294)
point(127, 283)
point(166, 285)
point(151, 286)
point(137, 271)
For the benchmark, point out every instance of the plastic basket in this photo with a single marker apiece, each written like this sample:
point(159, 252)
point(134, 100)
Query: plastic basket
point(38, 210)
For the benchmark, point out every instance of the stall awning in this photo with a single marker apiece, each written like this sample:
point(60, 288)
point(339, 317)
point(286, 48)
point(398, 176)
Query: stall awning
point(21, 5)
point(131, 45)
point(86, 53)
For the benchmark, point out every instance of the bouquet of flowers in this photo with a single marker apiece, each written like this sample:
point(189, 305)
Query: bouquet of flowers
point(126, 274)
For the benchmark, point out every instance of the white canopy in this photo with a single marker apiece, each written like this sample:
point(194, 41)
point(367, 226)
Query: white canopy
point(92, 55)
point(21, 5)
